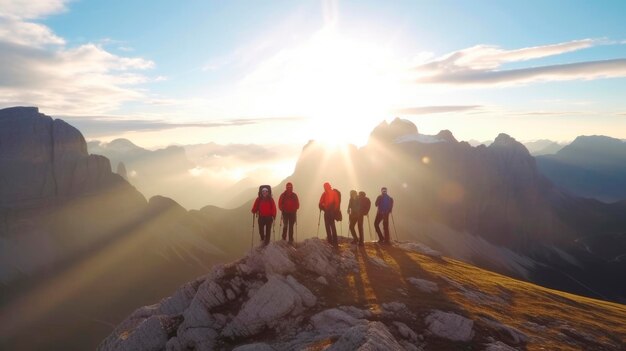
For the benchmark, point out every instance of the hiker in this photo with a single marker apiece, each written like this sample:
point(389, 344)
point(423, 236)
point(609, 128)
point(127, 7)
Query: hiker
point(355, 217)
point(265, 208)
point(288, 204)
point(364, 210)
point(329, 203)
point(384, 203)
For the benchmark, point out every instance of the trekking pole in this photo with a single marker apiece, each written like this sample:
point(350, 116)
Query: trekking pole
point(274, 229)
point(280, 226)
point(369, 227)
point(394, 226)
point(318, 224)
point(252, 243)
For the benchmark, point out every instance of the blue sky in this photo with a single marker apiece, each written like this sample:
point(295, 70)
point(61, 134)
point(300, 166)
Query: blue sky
point(284, 71)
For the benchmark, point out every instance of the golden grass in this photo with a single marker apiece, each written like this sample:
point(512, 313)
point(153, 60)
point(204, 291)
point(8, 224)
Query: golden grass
point(552, 320)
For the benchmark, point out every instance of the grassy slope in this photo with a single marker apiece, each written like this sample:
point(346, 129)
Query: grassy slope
point(551, 319)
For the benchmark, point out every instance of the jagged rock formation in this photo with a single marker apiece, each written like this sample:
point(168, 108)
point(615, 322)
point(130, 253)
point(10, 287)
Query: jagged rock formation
point(254, 304)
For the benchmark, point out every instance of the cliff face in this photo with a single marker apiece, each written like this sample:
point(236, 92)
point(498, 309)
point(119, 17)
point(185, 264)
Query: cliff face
point(55, 199)
point(45, 160)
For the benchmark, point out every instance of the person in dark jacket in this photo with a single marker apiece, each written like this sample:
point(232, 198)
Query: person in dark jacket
point(364, 210)
point(288, 204)
point(384, 202)
point(329, 203)
point(265, 208)
point(355, 216)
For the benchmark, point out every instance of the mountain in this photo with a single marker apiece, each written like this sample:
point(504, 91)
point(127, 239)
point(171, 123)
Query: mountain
point(542, 147)
point(400, 297)
point(75, 238)
point(591, 166)
point(489, 206)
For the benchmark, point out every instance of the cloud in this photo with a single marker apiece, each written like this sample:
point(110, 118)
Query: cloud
point(99, 126)
point(31, 9)
point(38, 68)
point(424, 110)
point(480, 65)
point(16, 31)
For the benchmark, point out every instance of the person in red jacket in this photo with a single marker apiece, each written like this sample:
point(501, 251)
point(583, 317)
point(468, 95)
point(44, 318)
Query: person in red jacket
point(329, 203)
point(265, 208)
point(288, 204)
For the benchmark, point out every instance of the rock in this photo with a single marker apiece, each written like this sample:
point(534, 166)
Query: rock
point(178, 303)
point(272, 259)
point(259, 346)
point(516, 335)
point(356, 312)
point(450, 326)
point(406, 332)
point(147, 334)
point(277, 298)
point(334, 321)
point(321, 280)
point(499, 346)
point(394, 306)
point(424, 285)
point(371, 336)
point(316, 256)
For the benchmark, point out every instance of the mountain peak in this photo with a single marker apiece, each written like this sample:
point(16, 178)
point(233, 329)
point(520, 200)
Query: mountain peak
point(388, 132)
point(400, 297)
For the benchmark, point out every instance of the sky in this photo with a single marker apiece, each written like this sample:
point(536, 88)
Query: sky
point(284, 72)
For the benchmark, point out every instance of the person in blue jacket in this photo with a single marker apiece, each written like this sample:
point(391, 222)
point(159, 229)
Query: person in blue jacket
point(384, 202)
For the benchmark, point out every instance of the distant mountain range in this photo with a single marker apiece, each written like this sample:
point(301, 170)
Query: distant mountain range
point(591, 166)
point(72, 226)
point(195, 175)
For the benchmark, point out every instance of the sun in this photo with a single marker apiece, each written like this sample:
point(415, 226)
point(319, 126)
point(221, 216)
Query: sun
point(344, 85)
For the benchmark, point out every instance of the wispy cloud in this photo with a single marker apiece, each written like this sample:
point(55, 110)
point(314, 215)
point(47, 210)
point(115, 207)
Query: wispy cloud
point(481, 65)
point(98, 126)
point(37, 67)
point(424, 110)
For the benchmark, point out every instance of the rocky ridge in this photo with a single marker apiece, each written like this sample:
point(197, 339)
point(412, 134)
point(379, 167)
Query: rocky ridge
point(314, 297)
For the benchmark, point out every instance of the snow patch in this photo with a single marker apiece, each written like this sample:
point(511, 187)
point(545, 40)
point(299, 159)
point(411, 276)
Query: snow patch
point(420, 138)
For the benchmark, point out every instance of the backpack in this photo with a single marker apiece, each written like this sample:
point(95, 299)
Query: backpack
point(385, 204)
point(267, 187)
point(365, 206)
point(338, 215)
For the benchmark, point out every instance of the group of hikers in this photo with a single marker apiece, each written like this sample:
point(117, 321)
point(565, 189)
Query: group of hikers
point(265, 209)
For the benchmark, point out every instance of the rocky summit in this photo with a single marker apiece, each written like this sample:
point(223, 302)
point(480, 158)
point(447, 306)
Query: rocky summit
point(400, 297)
